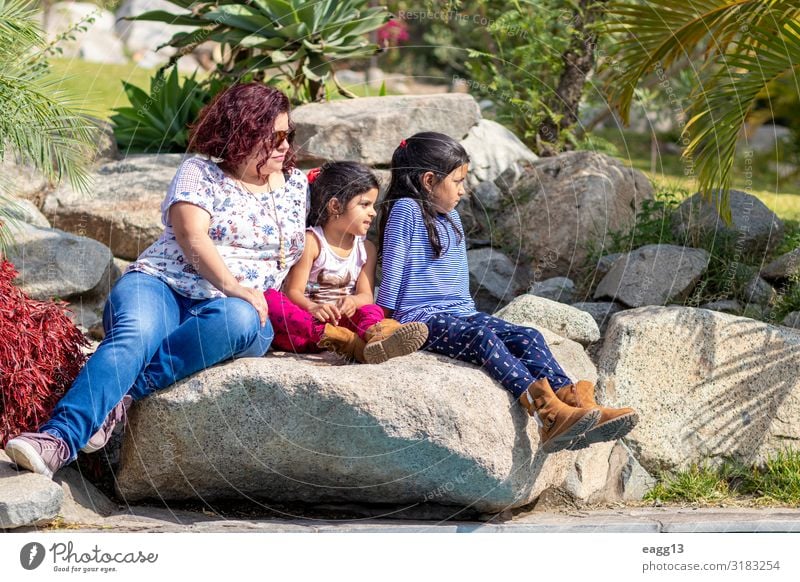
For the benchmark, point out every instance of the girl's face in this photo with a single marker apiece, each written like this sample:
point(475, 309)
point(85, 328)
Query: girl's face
point(275, 161)
point(446, 194)
point(359, 213)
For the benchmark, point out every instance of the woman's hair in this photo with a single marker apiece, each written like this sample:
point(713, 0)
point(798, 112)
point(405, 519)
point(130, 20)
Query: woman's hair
point(238, 121)
point(341, 180)
point(422, 152)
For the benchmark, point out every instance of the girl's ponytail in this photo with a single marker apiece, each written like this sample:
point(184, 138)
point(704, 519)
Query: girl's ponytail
point(422, 152)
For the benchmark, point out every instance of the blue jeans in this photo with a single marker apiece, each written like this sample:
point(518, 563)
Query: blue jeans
point(154, 337)
point(514, 355)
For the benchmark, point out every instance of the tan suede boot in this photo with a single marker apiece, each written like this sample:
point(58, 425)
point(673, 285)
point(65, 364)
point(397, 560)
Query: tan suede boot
point(390, 339)
point(614, 423)
point(559, 424)
point(343, 342)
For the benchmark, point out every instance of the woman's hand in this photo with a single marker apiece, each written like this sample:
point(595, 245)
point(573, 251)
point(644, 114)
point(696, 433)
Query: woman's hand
point(347, 306)
point(254, 297)
point(325, 312)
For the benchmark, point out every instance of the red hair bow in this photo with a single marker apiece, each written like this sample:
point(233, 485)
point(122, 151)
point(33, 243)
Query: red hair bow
point(403, 143)
point(312, 174)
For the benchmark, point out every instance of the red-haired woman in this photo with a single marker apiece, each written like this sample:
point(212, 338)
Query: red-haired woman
point(234, 219)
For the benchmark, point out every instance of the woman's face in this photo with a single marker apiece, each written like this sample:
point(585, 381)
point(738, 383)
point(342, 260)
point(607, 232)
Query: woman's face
point(275, 162)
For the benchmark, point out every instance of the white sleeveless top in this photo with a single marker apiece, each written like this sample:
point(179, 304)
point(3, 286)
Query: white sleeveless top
point(333, 277)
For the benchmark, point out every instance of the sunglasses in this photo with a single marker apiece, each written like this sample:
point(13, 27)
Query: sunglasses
point(279, 136)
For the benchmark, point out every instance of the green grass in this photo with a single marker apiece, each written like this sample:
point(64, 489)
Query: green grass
point(777, 481)
point(781, 195)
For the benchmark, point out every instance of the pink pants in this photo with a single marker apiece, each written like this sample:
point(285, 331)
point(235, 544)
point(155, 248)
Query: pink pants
point(296, 330)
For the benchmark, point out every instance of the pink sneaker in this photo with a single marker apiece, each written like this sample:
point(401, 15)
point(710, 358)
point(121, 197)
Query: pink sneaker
point(119, 414)
point(39, 452)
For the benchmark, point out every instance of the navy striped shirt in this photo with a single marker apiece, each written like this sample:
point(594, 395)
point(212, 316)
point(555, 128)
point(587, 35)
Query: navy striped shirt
point(414, 284)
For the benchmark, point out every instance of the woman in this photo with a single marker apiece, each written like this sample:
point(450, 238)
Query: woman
point(195, 297)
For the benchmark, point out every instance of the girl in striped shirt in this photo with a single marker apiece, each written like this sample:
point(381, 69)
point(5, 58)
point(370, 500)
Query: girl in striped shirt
point(426, 279)
point(327, 299)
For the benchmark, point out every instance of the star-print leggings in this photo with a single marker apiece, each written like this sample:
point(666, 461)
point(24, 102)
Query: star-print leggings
point(513, 355)
point(296, 330)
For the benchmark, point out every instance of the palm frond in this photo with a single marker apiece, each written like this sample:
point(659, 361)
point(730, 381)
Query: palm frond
point(720, 108)
point(659, 32)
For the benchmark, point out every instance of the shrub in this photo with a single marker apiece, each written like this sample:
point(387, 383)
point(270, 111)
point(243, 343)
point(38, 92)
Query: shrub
point(40, 356)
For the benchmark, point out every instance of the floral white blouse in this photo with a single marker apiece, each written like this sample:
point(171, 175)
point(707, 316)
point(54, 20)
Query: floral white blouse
point(243, 228)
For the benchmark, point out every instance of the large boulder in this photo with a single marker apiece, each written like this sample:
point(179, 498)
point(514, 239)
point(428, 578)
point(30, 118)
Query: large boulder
point(368, 130)
point(653, 275)
point(601, 311)
point(560, 207)
point(559, 318)
point(756, 230)
point(492, 150)
point(707, 385)
point(21, 210)
point(283, 428)
point(26, 498)
point(784, 267)
point(123, 210)
point(54, 263)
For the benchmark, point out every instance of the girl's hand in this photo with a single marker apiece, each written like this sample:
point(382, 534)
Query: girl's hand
point(325, 312)
point(254, 297)
point(347, 306)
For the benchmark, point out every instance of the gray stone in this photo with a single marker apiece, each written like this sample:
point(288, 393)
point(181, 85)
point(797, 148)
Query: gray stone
point(562, 206)
point(755, 230)
point(26, 498)
point(707, 385)
point(627, 480)
point(766, 137)
point(601, 311)
point(424, 429)
point(83, 502)
point(492, 150)
point(758, 291)
point(141, 37)
point(123, 210)
point(494, 279)
point(784, 267)
point(559, 318)
point(725, 306)
point(792, 320)
point(368, 129)
point(561, 289)
point(54, 263)
point(23, 180)
point(25, 211)
point(488, 195)
point(653, 275)
point(605, 263)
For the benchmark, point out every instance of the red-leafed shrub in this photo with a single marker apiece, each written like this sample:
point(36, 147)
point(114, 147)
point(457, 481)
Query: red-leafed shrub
point(40, 355)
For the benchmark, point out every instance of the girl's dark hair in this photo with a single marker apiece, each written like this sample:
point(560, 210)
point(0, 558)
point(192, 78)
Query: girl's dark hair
point(341, 180)
point(422, 152)
point(236, 122)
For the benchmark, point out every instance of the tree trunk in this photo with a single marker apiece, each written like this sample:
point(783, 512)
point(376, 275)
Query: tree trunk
point(579, 59)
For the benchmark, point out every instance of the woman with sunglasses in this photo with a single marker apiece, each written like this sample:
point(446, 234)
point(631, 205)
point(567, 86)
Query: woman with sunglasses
point(234, 218)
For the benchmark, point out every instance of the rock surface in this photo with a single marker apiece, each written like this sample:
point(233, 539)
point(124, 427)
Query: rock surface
point(53, 263)
point(26, 498)
point(561, 289)
point(706, 385)
point(368, 129)
point(653, 275)
point(25, 211)
point(559, 318)
point(305, 432)
point(83, 502)
point(492, 150)
point(601, 311)
point(124, 209)
point(494, 279)
point(783, 267)
point(563, 205)
point(756, 230)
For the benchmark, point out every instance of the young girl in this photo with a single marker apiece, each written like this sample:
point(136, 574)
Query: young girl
point(426, 279)
point(328, 300)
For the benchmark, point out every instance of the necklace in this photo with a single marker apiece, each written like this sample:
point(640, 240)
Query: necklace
point(281, 246)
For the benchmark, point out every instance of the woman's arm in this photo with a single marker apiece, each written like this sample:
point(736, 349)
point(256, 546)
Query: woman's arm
point(190, 223)
point(294, 285)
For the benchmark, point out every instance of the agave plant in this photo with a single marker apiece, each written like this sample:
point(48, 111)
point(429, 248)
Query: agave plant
point(41, 125)
point(295, 42)
point(744, 45)
point(158, 121)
